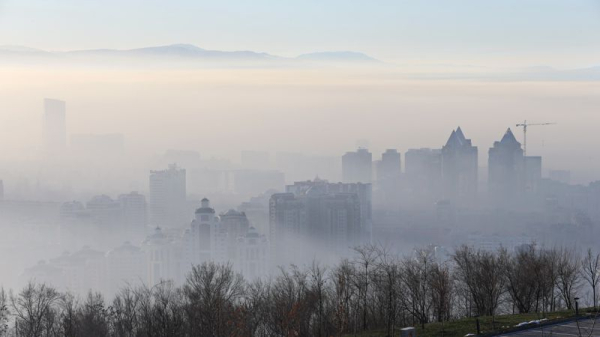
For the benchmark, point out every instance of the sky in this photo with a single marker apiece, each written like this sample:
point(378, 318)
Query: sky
point(220, 112)
point(524, 32)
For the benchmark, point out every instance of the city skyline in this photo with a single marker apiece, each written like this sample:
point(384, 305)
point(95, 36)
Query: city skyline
point(320, 168)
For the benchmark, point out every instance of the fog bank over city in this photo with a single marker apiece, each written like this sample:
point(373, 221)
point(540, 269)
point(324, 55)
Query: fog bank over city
point(220, 112)
point(315, 168)
point(98, 152)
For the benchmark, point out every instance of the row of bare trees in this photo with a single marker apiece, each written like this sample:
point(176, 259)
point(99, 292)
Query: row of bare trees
point(374, 290)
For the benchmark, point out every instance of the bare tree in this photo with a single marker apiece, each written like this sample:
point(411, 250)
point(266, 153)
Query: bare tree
point(94, 316)
point(522, 284)
point(251, 317)
point(590, 271)
point(124, 313)
point(318, 284)
point(4, 313)
point(168, 310)
point(33, 309)
point(547, 278)
point(345, 296)
point(364, 268)
point(567, 272)
point(68, 315)
point(387, 286)
point(442, 289)
point(416, 285)
point(375, 290)
point(161, 311)
point(483, 275)
point(211, 293)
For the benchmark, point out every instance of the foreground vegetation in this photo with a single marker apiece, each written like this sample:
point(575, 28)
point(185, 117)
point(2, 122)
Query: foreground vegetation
point(374, 294)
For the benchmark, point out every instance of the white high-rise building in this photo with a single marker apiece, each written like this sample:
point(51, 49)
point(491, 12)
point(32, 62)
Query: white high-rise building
point(252, 258)
point(163, 256)
point(227, 238)
point(125, 267)
point(134, 213)
point(388, 183)
point(202, 238)
point(459, 168)
point(168, 197)
point(357, 167)
point(506, 171)
point(235, 224)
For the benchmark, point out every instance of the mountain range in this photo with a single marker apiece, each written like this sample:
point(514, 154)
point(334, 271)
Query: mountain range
point(190, 52)
point(191, 55)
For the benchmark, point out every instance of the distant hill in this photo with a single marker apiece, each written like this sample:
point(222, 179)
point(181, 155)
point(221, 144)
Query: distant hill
point(187, 52)
point(177, 50)
point(20, 50)
point(338, 56)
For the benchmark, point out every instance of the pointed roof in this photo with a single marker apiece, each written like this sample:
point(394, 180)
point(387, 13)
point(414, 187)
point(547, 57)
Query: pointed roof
point(508, 137)
point(454, 140)
point(460, 135)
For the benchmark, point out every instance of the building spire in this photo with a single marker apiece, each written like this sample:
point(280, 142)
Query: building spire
point(460, 135)
point(453, 140)
point(508, 137)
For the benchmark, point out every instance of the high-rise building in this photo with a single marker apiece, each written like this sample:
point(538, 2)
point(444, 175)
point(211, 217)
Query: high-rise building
point(390, 166)
point(533, 174)
point(134, 212)
point(228, 238)
point(252, 254)
point(423, 172)
point(204, 241)
point(363, 191)
point(257, 211)
point(316, 217)
point(125, 266)
point(236, 225)
point(423, 162)
point(388, 183)
point(459, 168)
point(164, 257)
point(506, 169)
point(357, 166)
point(55, 126)
point(104, 211)
point(167, 198)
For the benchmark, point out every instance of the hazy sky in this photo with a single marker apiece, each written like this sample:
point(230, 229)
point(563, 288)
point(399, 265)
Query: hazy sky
point(223, 111)
point(555, 32)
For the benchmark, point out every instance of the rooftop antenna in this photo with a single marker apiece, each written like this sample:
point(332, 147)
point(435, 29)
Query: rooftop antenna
point(524, 125)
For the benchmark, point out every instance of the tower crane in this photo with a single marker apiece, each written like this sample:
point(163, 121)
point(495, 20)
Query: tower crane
point(524, 125)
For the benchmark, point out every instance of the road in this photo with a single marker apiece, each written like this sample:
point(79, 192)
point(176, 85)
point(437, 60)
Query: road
point(587, 328)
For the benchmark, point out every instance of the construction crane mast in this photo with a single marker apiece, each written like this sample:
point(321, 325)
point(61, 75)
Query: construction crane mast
point(524, 125)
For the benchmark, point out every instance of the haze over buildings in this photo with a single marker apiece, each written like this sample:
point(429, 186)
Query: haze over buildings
point(167, 197)
point(55, 126)
point(262, 134)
